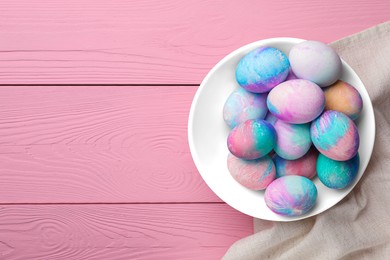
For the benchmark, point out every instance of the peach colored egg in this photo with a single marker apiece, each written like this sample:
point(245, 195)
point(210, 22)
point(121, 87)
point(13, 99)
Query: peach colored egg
point(343, 97)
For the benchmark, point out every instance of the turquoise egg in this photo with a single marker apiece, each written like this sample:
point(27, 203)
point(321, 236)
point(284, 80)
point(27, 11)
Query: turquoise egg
point(262, 69)
point(337, 174)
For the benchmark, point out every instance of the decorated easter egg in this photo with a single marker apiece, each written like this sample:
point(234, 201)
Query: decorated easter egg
point(293, 141)
point(343, 97)
point(337, 174)
point(243, 105)
point(315, 61)
point(252, 139)
point(262, 69)
point(296, 101)
point(335, 135)
point(291, 195)
point(253, 174)
point(304, 166)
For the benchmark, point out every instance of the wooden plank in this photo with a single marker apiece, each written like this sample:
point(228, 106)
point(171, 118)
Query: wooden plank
point(97, 144)
point(153, 41)
point(180, 231)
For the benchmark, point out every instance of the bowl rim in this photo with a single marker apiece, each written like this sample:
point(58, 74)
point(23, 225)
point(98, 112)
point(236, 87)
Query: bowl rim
point(195, 101)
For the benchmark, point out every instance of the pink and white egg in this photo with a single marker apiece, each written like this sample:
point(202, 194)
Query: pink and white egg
point(296, 101)
point(291, 195)
point(253, 174)
point(285, 109)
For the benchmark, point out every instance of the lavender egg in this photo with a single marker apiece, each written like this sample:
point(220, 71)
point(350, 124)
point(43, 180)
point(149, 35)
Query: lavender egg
point(296, 101)
point(293, 141)
point(262, 69)
point(304, 166)
point(335, 135)
point(343, 97)
point(337, 174)
point(291, 195)
point(243, 105)
point(252, 174)
point(315, 61)
point(252, 139)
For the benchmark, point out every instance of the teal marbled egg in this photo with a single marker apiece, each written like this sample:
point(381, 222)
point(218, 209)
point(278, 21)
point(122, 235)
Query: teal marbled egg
point(337, 174)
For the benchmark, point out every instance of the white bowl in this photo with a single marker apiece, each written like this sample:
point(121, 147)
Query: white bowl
point(207, 135)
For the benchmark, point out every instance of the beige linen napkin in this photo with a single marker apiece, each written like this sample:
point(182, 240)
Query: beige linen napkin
point(358, 227)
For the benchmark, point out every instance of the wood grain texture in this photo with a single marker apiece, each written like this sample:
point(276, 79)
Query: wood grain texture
point(119, 231)
point(153, 41)
point(97, 144)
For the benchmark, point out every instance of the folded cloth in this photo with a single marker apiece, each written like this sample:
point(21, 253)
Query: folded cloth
point(358, 227)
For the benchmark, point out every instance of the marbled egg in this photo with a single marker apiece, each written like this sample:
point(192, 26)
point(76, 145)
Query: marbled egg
point(304, 166)
point(296, 101)
point(243, 105)
point(293, 141)
point(337, 174)
point(291, 195)
point(315, 61)
point(262, 69)
point(335, 135)
point(252, 139)
point(343, 97)
point(253, 174)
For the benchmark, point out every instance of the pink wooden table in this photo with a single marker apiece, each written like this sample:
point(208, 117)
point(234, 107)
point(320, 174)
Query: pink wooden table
point(94, 99)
